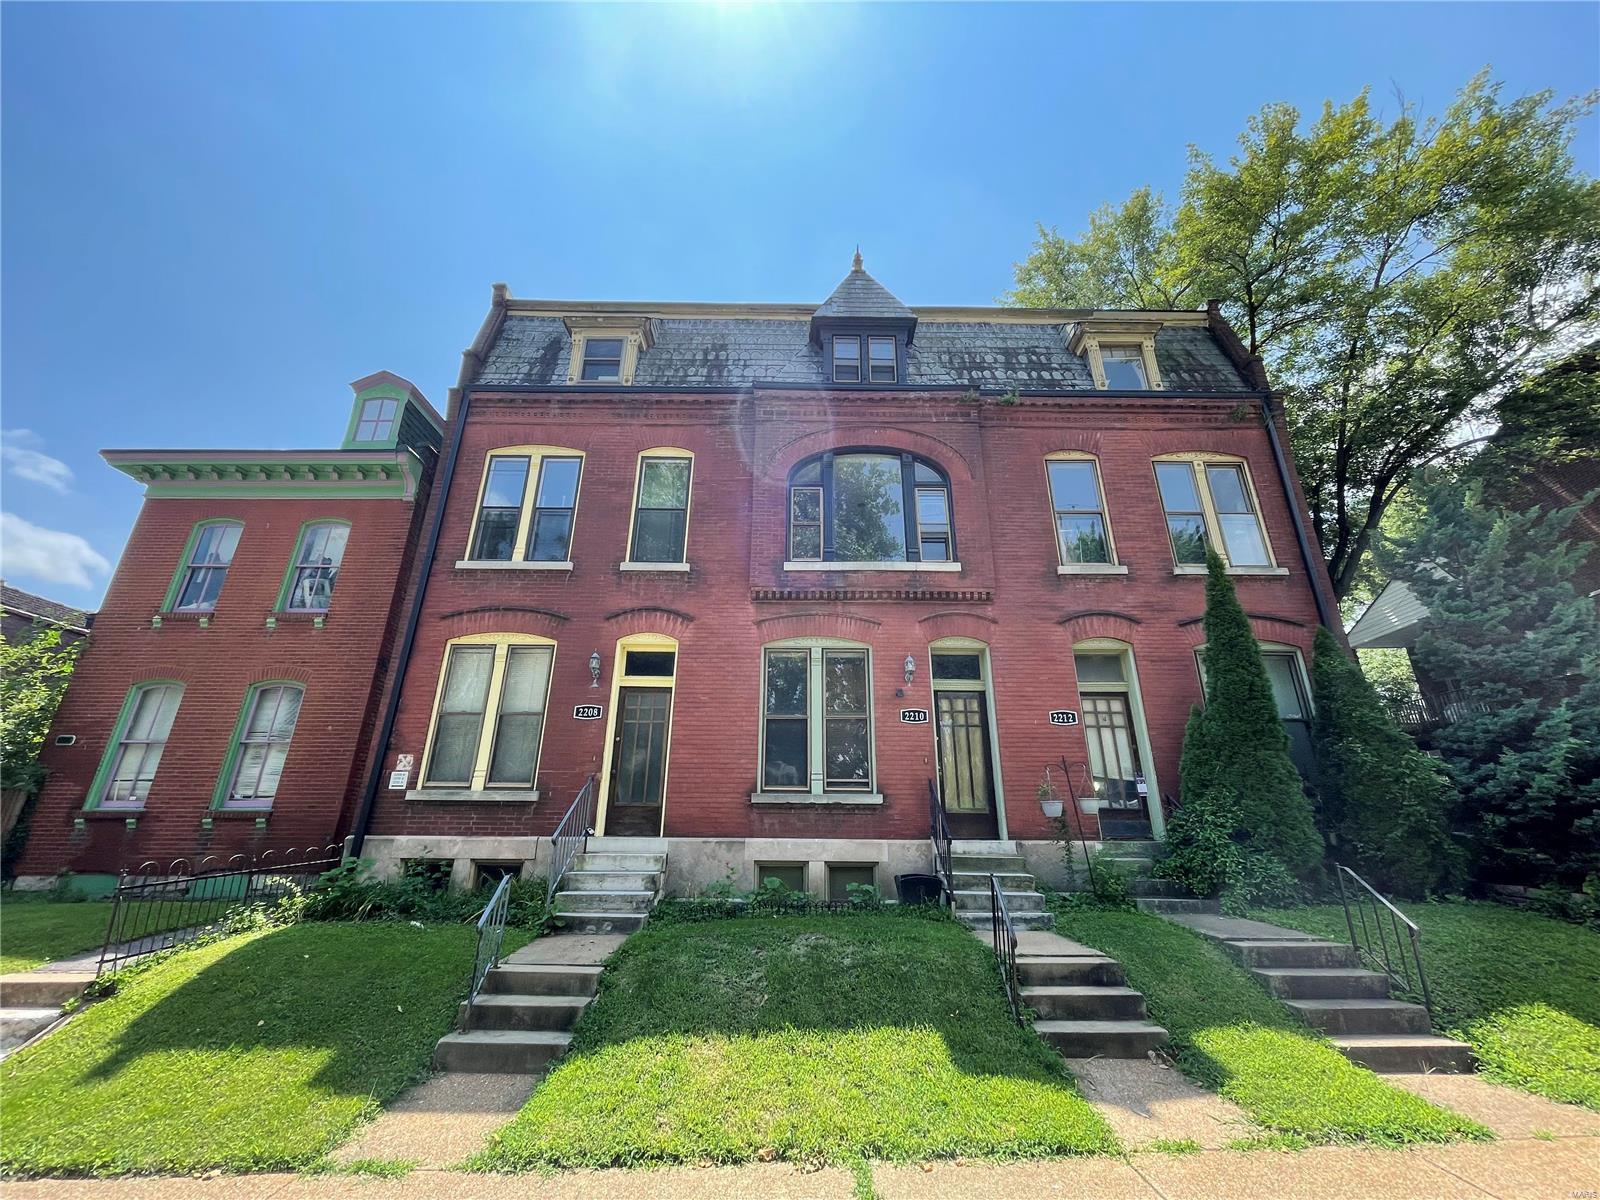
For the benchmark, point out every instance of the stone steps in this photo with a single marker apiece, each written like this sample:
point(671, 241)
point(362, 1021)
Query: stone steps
point(1077, 1003)
point(602, 922)
point(19, 1025)
point(43, 989)
point(1310, 983)
point(504, 1011)
point(982, 921)
point(1362, 1016)
point(988, 864)
point(612, 886)
point(978, 881)
point(1175, 904)
point(1101, 1039)
point(1306, 953)
point(1016, 902)
point(611, 881)
point(1393, 1054)
point(1064, 971)
point(612, 860)
point(578, 903)
point(500, 1051)
point(541, 979)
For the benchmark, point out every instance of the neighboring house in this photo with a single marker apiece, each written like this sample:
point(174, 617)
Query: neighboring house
point(773, 572)
point(225, 699)
point(22, 612)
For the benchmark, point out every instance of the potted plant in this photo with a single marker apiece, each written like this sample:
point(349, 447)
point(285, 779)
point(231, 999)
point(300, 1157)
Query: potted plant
point(1049, 798)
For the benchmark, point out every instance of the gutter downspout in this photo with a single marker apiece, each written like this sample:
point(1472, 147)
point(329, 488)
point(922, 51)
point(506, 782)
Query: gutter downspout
point(1313, 564)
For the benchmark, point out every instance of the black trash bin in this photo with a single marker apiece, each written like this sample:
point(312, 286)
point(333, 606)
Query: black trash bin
point(919, 889)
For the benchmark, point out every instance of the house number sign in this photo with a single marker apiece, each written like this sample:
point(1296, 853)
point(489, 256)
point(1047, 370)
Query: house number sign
point(586, 712)
point(1063, 716)
point(914, 716)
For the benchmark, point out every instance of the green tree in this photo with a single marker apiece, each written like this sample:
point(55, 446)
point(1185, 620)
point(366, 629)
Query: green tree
point(1235, 746)
point(1394, 274)
point(1385, 804)
point(1520, 643)
point(33, 675)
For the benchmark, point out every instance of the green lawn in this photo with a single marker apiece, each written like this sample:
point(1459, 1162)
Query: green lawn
point(801, 1038)
point(258, 1052)
point(33, 932)
point(1521, 989)
point(1234, 1038)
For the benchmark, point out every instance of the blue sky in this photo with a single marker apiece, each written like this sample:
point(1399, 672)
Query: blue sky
point(216, 216)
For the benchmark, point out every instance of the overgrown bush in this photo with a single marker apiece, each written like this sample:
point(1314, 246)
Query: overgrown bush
point(1236, 744)
point(350, 892)
point(1201, 853)
point(1385, 804)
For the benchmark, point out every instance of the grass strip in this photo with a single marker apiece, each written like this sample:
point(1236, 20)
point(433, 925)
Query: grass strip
point(34, 932)
point(259, 1052)
point(822, 1038)
point(1523, 990)
point(1234, 1038)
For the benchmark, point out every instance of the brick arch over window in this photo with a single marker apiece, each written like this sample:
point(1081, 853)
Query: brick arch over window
point(1265, 628)
point(542, 622)
point(1083, 626)
point(628, 622)
point(939, 625)
point(282, 674)
point(166, 673)
point(938, 452)
point(846, 626)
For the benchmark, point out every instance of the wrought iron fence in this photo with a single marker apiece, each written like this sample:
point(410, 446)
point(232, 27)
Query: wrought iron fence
point(569, 839)
point(1434, 710)
point(491, 935)
point(1004, 936)
point(1371, 936)
point(939, 835)
point(156, 908)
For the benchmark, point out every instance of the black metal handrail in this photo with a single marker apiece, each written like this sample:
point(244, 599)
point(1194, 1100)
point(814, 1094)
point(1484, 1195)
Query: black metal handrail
point(1427, 711)
point(1386, 920)
point(939, 835)
point(156, 907)
point(1085, 779)
point(1004, 937)
point(570, 838)
point(491, 936)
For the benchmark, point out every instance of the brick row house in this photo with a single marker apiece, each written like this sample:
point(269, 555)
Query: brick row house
point(223, 701)
point(775, 574)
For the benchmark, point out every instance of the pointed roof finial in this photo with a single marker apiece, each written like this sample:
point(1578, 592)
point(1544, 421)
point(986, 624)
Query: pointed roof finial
point(856, 265)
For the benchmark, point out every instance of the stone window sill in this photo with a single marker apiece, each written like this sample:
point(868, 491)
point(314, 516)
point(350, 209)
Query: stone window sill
point(1271, 572)
point(469, 564)
point(441, 795)
point(650, 566)
point(110, 814)
point(239, 812)
point(853, 567)
point(1092, 569)
point(811, 798)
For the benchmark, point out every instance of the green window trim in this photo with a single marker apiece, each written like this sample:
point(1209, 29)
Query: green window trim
point(384, 391)
point(230, 763)
point(280, 605)
point(108, 756)
point(182, 572)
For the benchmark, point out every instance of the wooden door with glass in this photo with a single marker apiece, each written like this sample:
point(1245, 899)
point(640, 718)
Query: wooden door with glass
point(1113, 744)
point(964, 752)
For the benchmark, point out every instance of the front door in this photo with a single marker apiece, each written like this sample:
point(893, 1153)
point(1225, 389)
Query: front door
point(1114, 761)
point(966, 779)
point(639, 762)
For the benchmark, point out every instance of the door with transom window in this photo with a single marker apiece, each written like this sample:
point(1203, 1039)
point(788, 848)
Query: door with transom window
point(966, 766)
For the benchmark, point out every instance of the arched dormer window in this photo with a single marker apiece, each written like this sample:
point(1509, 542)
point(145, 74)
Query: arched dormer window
point(870, 506)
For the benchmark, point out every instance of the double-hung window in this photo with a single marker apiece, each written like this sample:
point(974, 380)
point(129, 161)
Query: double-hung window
point(816, 720)
point(1124, 368)
point(144, 731)
point(846, 358)
point(527, 506)
point(661, 513)
point(316, 566)
point(870, 506)
point(602, 360)
point(211, 550)
point(1211, 503)
point(1078, 512)
point(263, 747)
point(882, 363)
point(376, 422)
point(489, 720)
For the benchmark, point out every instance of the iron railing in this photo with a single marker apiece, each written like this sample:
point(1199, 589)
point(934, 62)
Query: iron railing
point(1080, 785)
point(156, 908)
point(491, 935)
point(1003, 934)
point(1403, 965)
point(939, 835)
point(570, 838)
point(1434, 710)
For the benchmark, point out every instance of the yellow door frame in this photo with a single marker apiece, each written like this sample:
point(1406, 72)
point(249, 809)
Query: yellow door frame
point(619, 659)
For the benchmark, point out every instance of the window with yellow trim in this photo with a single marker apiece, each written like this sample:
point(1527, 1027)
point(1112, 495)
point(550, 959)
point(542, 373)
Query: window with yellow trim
point(1209, 501)
point(527, 506)
point(1078, 510)
point(488, 720)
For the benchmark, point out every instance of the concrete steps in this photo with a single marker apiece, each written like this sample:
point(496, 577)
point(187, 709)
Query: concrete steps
point(500, 1051)
point(541, 979)
point(1056, 1003)
point(1016, 901)
point(1309, 983)
point(1176, 904)
point(18, 1025)
point(520, 1021)
point(521, 1012)
point(1101, 1039)
point(1083, 1006)
point(1020, 920)
point(1362, 1016)
point(971, 864)
point(1392, 1054)
point(30, 1002)
point(612, 886)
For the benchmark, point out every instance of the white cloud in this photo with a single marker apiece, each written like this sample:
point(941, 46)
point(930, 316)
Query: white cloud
point(17, 448)
point(48, 555)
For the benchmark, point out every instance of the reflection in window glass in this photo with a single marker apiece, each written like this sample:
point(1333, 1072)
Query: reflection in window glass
point(957, 666)
point(1099, 668)
point(881, 351)
point(869, 509)
point(316, 567)
point(1124, 368)
point(501, 510)
point(264, 746)
point(551, 536)
point(515, 758)
point(139, 749)
point(208, 567)
point(661, 523)
point(845, 719)
point(785, 738)
point(460, 719)
point(1241, 532)
point(805, 523)
point(1186, 521)
point(602, 360)
point(846, 359)
point(377, 420)
point(1080, 523)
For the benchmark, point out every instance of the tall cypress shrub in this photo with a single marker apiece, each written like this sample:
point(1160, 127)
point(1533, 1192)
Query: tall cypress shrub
point(1236, 743)
point(1386, 804)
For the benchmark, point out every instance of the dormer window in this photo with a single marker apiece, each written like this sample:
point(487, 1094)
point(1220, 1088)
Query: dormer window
point(1124, 368)
point(602, 360)
point(376, 423)
point(846, 359)
point(881, 359)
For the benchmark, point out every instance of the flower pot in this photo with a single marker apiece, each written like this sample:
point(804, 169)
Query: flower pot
point(1052, 808)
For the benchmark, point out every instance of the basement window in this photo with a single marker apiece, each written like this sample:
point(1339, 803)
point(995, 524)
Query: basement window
point(432, 873)
point(842, 875)
point(791, 874)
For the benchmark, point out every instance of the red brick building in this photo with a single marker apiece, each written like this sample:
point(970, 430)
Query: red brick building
point(772, 572)
point(224, 698)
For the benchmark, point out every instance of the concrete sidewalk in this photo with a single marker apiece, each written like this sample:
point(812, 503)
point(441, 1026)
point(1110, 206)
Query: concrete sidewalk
point(1524, 1169)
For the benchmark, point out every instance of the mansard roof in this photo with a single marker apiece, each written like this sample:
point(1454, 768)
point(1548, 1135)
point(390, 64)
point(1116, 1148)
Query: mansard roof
point(860, 297)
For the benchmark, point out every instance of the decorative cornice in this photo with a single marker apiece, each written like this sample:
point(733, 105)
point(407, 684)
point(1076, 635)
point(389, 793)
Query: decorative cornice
point(283, 474)
point(766, 595)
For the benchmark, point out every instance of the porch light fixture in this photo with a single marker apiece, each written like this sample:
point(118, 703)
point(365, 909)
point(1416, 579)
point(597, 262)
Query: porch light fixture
point(911, 668)
point(594, 669)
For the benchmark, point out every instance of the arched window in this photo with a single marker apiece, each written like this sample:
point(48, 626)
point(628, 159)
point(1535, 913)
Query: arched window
point(315, 567)
point(261, 746)
point(204, 568)
point(129, 767)
point(870, 506)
